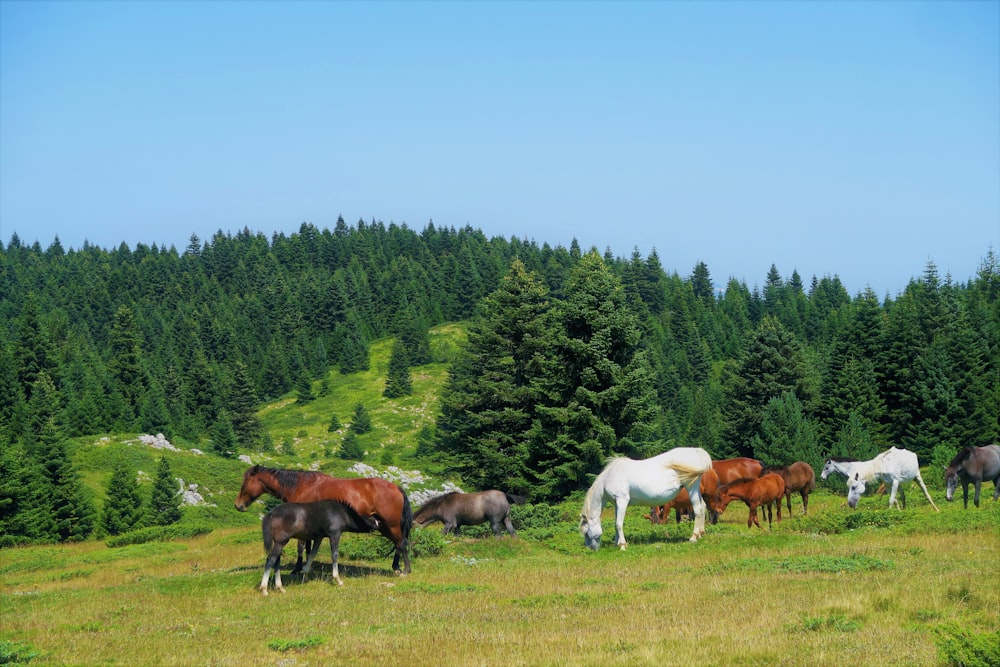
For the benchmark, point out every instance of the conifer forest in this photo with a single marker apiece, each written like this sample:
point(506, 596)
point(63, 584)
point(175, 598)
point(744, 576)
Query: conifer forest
point(571, 356)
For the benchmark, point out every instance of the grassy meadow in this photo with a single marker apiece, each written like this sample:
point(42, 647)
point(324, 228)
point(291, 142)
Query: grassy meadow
point(893, 589)
point(836, 587)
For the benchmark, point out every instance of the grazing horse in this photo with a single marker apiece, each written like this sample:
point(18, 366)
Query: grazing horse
point(681, 504)
point(893, 466)
point(457, 509)
point(652, 481)
point(308, 521)
point(976, 465)
point(369, 496)
point(798, 477)
point(733, 470)
point(763, 491)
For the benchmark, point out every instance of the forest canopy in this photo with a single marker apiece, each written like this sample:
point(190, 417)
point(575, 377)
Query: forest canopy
point(572, 356)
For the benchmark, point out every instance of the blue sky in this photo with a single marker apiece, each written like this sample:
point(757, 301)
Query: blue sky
point(860, 139)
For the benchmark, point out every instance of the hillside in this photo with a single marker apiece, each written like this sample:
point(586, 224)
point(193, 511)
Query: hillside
point(299, 432)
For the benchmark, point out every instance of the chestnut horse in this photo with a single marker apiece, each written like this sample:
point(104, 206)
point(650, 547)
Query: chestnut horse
point(368, 496)
point(681, 504)
point(733, 470)
point(760, 492)
point(798, 477)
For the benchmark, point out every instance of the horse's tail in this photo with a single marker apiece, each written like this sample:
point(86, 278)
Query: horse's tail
point(268, 533)
point(406, 520)
point(514, 500)
point(690, 468)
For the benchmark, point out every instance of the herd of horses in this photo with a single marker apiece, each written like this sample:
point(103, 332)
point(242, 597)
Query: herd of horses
point(685, 479)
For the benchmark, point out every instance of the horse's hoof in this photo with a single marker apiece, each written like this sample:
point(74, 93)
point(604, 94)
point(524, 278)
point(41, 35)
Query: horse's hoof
point(264, 591)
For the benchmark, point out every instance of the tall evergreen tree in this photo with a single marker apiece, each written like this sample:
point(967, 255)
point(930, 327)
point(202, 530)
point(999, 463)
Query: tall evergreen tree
point(242, 407)
point(488, 401)
point(123, 507)
point(165, 502)
point(361, 421)
point(597, 392)
point(126, 360)
point(398, 382)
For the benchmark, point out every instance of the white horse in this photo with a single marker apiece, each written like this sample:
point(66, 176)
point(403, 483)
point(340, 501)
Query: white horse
point(648, 482)
point(893, 466)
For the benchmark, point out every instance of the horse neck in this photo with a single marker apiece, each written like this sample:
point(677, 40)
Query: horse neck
point(273, 486)
point(593, 503)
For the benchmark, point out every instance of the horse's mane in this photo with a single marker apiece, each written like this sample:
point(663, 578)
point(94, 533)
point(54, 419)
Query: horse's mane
point(436, 501)
point(777, 469)
point(841, 459)
point(962, 456)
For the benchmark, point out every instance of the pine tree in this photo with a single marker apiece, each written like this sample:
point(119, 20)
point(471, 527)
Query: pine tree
point(350, 448)
point(223, 437)
point(126, 360)
point(242, 407)
point(165, 502)
point(361, 422)
point(123, 506)
point(303, 387)
point(786, 434)
point(397, 382)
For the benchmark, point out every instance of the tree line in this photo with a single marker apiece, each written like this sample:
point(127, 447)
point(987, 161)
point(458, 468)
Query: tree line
point(572, 356)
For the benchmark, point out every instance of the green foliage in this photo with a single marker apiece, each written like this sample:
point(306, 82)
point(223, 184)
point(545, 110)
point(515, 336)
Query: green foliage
point(285, 645)
point(123, 507)
point(397, 381)
point(165, 502)
point(832, 622)
point(159, 534)
point(351, 448)
point(786, 434)
point(961, 646)
point(16, 653)
point(361, 420)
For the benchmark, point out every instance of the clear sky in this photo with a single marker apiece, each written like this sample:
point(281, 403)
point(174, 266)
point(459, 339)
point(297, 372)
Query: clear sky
point(859, 139)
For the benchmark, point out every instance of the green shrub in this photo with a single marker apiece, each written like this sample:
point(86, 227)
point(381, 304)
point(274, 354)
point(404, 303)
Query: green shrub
point(16, 653)
point(961, 647)
point(282, 645)
point(159, 534)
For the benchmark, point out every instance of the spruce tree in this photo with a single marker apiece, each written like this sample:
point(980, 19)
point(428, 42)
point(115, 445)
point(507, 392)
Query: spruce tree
point(222, 436)
point(397, 381)
point(242, 407)
point(165, 502)
point(361, 421)
point(123, 507)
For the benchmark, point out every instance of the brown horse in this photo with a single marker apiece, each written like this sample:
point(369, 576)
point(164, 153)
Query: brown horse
point(733, 470)
point(681, 504)
point(366, 495)
point(976, 465)
point(761, 492)
point(798, 477)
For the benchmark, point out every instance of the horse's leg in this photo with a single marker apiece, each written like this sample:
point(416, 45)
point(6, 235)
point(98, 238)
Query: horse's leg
point(621, 504)
point(965, 494)
point(269, 565)
point(788, 496)
point(509, 526)
point(979, 483)
point(277, 572)
point(313, 550)
point(892, 493)
point(302, 545)
point(334, 552)
point(495, 526)
point(698, 507)
point(805, 501)
point(920, 480)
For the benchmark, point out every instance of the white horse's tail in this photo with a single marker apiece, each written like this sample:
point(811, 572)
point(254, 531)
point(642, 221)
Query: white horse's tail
point(690, 463)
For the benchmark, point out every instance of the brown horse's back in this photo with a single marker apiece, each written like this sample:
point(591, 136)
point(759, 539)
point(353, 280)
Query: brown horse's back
point(731, 470)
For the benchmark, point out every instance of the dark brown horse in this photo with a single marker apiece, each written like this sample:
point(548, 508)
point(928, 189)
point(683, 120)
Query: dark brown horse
point(457, 509)
point(733, 470)
point(308, 522)
point(761, 492)
point(798, 477)
point(376, 497)
point(976, 465)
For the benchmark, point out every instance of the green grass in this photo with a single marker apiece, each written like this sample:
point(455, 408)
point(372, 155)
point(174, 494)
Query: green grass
point(913, 593)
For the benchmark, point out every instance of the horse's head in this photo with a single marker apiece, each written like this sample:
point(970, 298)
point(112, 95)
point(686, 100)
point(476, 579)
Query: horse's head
point(721, 502)
point(591, 531)
point(855, 489)
point(950, 483)
point(251, 490)
point(828, 467)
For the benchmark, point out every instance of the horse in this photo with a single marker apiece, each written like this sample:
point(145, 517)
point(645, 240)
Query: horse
point(798, 476)
point(366, 495)
point(763, 491)
point(733, 470)
point(681, 504)
point(976, 465)
point(457, 509)
point(308, 521)
point(651, 481)
point(893, 466)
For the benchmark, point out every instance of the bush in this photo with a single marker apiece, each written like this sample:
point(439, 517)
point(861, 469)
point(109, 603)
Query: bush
point(159, 534)
point(961, 647)
point(16, 653)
